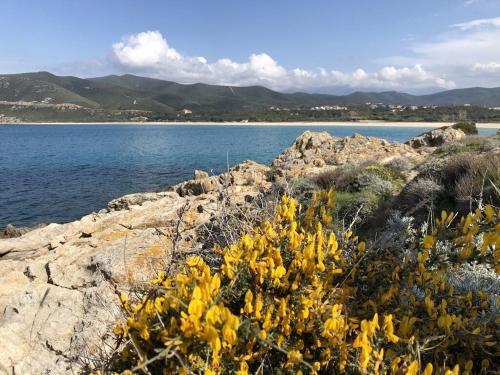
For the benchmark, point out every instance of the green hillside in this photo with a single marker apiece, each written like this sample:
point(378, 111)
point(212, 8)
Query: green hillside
point(40, 97)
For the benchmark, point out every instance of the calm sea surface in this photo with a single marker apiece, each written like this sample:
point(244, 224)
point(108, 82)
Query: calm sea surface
point(59, 173)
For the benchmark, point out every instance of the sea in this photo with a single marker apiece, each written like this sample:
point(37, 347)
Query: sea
point(59, 173)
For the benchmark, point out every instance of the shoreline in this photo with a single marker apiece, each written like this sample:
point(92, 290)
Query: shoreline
point(298, 123)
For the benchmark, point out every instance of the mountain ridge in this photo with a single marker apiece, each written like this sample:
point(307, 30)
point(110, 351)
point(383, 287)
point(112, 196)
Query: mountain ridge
point(490, 96)
point(130, 95)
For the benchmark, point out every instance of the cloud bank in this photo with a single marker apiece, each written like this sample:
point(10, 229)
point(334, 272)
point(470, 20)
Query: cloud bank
point(477, 42)
point(468, 54)
point(149, 53)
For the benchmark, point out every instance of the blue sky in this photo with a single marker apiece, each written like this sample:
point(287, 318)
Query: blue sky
point(324, 46)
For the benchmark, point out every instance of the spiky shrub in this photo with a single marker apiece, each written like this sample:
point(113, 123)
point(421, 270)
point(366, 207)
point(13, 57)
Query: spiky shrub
point(473, 177)
point(400, 166)
point(294, 298)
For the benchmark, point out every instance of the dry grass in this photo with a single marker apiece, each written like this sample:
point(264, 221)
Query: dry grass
point(470, 177)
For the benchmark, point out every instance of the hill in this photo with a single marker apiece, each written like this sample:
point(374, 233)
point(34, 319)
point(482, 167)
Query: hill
point(39, 96)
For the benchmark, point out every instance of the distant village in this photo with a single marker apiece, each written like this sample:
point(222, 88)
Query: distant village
point(48, 109)
point(373, 106)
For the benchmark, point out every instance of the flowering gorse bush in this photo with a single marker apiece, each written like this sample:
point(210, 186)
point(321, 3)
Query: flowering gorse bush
point(293, 297)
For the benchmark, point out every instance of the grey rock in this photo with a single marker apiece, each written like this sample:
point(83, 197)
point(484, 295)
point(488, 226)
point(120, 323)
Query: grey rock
point(57, 298)
point(125, 202)
point(11, 231)
point(200, 175)
point(436, 137)
point(312, 152)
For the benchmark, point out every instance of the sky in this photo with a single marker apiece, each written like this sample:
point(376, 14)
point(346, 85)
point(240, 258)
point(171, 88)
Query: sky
point(330, 46)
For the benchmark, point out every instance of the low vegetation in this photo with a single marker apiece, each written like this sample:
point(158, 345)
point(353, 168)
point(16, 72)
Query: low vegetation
point(373, 268)
point(469, 144)
point(295, 296)
point(468, 127)
point(461, 182)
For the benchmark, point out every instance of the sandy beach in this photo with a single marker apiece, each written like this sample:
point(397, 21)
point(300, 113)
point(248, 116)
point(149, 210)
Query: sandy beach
point(305, 123)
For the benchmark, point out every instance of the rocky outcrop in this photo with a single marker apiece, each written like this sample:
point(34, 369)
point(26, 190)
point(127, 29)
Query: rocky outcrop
point(58, 283)
point(57, 300)
point(138, 199)
point(8, 119)
point(436, 137)
point(313, 151)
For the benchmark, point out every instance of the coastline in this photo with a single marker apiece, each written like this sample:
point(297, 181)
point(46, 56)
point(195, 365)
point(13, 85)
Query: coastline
point(298, 123)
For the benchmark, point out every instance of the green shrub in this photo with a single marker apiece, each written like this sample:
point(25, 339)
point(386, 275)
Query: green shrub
point(460, 182)
point(348, 204)
point(355, 178)
point(400, 166)
point(472, 177)
point(468, 127)
point(293, 297)
point(469, 144)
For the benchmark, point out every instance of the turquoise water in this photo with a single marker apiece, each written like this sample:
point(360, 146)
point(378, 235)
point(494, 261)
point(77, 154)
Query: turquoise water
point(58, 173)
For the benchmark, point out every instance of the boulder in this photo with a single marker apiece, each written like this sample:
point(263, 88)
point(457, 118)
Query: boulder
point(11, 231)
point(125, 202)
point(436, 137)
point(200, 175)
point(312, 152)
point(249, 173)
point(199, 185)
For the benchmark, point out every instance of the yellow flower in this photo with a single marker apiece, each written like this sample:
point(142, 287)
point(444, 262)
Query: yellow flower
point(259, 304)
point(489, 212)
point(362, 246)
point(194, 261)
point(213, 315)
point(406, 325)
point(211, 335)
point(243, 369)
point(215, 284)
point(248, 302)
point(389, 329)
point(294, 356)
point(428, 242)
point(369, 327)
point(279, 272)
point(366, 349)
point(455, 371)
point(412, 368)
point(195, 308)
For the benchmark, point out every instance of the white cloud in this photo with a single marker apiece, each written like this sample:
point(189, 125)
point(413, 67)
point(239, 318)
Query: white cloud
point(468, 54)
point(469, 2)
point(482, 22)
point(149, 53)
point(145, 50)
point(463, 49)
point(491, 67)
